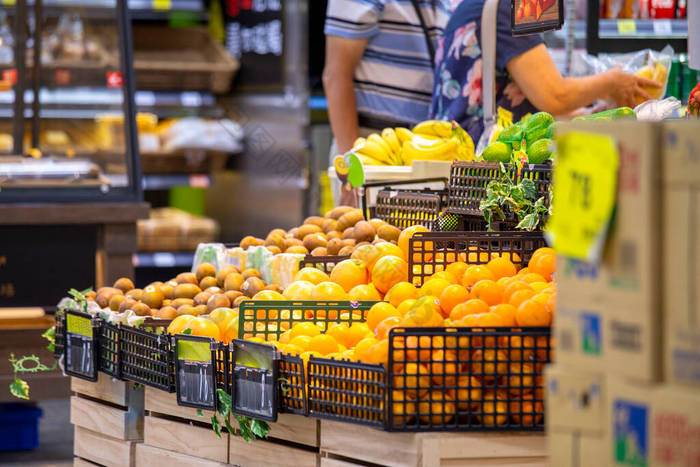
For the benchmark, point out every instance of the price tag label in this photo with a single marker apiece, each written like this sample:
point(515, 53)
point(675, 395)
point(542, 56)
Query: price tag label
point(662, 27)
point(626, 27)
point(145, 98)
point(195, 377)
point(254, 380)
point(164, 260)
point(81, 348)
point(162, 5)
point(585, 190)
point(191, 99)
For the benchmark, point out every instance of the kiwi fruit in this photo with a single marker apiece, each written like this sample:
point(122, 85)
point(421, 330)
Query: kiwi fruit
point(314, 241)
point(275, 250)
point(334, 245)
point(91, 294)
point(167, 290)
point(363, 232)
point(297, 249)
point(187, 310)
point(346, 251)
point(214, 290)
point(186, 278)
point(223, 272)
point(252, 285)
point(376, 223)
point(275, 240)
point(334, 234)
point(292, 233)
point(167, 302)
point(249, 241)
point(388, 232)
point(307, 229)
point(155, 284)
point(136, 294)
point(280, 232)
point(338, 212)
point(234, 281)
point(248, 273)
point(274, 288)
point(349, 233)
point(237, 302)
point(167, 312)
point(124, 284)
point(201, 298)
point(178, 302)
point(218, 301)
point(289, 242)
point(319, 251)
point(141, 309)
point(127, 304)
point(314, 220)
point(152, 296)
point(105, 294)
point(232, 295)
point(381, 240)
point(186, 291)
point(350, 219)
point(205, 270)
point(207, 282)
point(115, 301)
point(329, 225)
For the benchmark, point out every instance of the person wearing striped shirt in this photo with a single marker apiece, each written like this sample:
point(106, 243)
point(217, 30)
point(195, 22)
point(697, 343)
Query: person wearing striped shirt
point(379, 70)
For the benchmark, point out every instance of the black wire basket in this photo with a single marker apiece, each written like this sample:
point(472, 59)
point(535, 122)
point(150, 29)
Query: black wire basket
point(146, 355)
point(324, 263)
point(59, 335)
point(108, 349)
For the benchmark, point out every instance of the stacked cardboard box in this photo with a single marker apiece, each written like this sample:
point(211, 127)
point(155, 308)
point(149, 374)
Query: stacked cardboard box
point(625, 386)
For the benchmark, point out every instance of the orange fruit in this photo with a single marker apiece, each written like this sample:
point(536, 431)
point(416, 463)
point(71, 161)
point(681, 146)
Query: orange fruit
point(364, 292)
point(389, 271)
point(388, 249)
point(443, 367)
point(470, 307)
point(299, 290)
point(292, 349)
point(368, 254)
point(505, 311)
point(468, 393)
point(425, 312)
point(489, 363)
point(323, 344)
point(349, 273)
point(531, 277)
point(520, 296)
point(543, 251)
point(514, 287)
point(328, 291)
point(539, 286)
point(404, 409)
point(407, 234)
point(543, 264)
point(494, 408)
point(533, 411)
point(179, 324)
point(313, 275)
point(468, 320)
point(308, 354)
point(201, 326)
point(340, 332)
point(417, 348)
point(356, 333)
point(533, 313)
point(449, 277)
point(542, 297)
point(501, 267)
point(379, 353)
point(302, 342)
point(452, 296)
point(304, 329)
point(435, 408)
point(490, 319)
point(457, 270)
point(504, 282)
point(379, 312)
point(433, 287)
point(414, 380)
point(405, 306)
point(522, 375)
point(511, 256)
point(474, 274)
point(361, 350)
point(401, 292)
point(285, 337)
point(230, 332)
point(475, 257)
point(382, 330)
point(488, 291)
point(522, 272)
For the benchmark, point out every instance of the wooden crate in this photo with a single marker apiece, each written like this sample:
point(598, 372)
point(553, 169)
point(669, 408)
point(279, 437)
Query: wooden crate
point(347, 444)
point(101, 449)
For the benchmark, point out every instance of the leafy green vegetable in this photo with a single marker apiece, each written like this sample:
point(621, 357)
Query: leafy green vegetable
point(19, 388)
point(50, 335)
point(249, 428)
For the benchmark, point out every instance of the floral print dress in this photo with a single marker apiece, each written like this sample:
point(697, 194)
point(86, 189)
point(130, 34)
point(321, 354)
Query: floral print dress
point(457, 92)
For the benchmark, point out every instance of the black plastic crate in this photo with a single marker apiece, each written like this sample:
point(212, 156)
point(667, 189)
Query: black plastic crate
point(59, 335)
point(430, 252)
point(404, 208)
point(468, 181)
point(292, 388)
point(223, 366)
point(450, 222)
point(324, 263)
point(108, 349)
point(146, 355)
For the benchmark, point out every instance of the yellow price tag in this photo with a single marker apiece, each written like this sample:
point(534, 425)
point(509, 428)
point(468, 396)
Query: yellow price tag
point(585, 187)
point(162, 5)
point(626, 26)
point(8, 2)
point(79, 325)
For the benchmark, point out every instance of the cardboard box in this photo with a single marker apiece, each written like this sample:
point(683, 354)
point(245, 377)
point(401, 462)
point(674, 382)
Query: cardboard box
point(575, 449)
point(681, 254)
point(575, 400)
point(658, 425)
point(609, 315)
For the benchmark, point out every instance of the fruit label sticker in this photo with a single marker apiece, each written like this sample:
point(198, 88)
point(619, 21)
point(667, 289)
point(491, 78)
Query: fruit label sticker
point(584, 194)
point(81, 350)
point(195, 375)
point(255, 385)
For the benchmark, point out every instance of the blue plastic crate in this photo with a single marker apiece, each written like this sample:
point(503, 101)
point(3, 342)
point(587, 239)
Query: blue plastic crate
point(19, 426)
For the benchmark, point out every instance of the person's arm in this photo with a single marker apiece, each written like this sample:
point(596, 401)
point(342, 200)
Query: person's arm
point(543, 85)
point(342, 57)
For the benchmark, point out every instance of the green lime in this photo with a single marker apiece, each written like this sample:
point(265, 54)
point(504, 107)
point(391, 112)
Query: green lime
point(539, 151)
point(511, 134)
point(497, 151)
point(538, 121)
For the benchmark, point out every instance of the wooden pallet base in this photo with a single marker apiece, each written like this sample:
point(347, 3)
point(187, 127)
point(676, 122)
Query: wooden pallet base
point(150, 456)
point(103, 450)
point(80, 462)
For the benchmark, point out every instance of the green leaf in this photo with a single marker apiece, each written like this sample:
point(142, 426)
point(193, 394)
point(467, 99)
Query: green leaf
point(244, 425)
point(200, 413)
point(50, 335)
point(529, 188)
point(225, 402)
point(20, 389)
point(187, 331)
point(260, 428)
point(229, 427)
point(216, 426)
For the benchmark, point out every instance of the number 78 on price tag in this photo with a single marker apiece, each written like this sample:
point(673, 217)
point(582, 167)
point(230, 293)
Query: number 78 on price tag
point(585, 189)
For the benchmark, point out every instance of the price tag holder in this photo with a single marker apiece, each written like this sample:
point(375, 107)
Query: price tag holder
point(195, 375)
point(254, 388)
point(585, 191)
point(626, 27)
point(81, 346)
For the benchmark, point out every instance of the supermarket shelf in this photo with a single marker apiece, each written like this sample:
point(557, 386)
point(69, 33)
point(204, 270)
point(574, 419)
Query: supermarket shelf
point(165, 181)
point(646, 28)
point(162, 259)
point(157, 6)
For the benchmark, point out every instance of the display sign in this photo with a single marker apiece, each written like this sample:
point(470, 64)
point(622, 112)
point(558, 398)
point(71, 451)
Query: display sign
point(531, 16)
point(255, 36)
point(585, 190)
point(195, 372)
point(254, 380)
point(81, 347)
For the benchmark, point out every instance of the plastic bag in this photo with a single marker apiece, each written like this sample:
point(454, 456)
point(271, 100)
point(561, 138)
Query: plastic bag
point(212, 253)
point(258, 257)
point(656, 110)
point(283, 267)
point(235, 257)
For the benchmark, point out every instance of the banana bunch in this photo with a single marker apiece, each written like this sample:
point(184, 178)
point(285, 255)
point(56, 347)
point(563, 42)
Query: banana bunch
point(384, 149)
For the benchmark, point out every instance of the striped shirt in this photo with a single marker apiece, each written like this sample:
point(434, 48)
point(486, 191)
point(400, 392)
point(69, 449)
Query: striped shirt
point(394, 79)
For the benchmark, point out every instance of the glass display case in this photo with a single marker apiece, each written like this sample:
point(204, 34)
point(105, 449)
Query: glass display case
point(77, 141)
